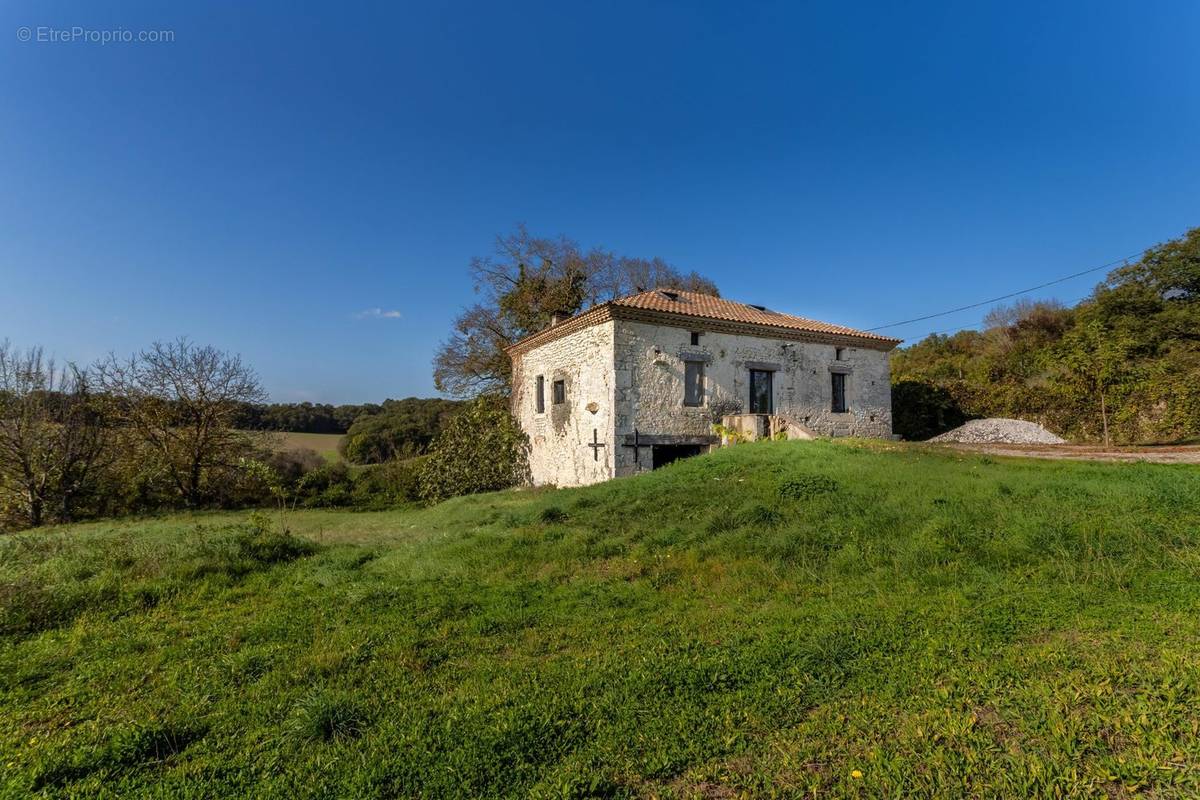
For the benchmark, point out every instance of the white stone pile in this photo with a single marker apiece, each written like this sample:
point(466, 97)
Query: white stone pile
point(998, 430)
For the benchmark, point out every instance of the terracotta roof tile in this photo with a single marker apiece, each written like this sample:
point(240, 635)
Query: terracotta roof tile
point(692, 305)
point(706, 306)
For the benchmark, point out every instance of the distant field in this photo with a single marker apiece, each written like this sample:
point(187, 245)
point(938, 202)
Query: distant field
point(324, 443)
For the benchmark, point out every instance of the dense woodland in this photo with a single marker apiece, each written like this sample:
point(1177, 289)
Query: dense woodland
point(1123, 364)
point(301, 417)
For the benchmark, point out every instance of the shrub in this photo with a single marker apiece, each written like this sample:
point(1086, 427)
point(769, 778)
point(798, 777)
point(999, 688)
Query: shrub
point(390, 484)
point(328, 486)
point(482, 449)
point(325, 476)
point(292, 465)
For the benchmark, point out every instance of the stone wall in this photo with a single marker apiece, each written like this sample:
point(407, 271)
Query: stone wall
point(621, 375)
point(558, 437)
point(649, 371)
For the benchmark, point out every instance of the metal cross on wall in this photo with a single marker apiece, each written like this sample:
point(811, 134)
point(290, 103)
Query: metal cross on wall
point(595, 444)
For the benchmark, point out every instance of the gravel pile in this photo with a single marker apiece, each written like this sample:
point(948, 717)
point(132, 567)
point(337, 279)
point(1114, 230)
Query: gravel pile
point(1001, 431)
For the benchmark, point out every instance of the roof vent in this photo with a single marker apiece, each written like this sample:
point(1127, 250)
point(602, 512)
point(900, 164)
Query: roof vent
point(671, 295)
point(760, 308)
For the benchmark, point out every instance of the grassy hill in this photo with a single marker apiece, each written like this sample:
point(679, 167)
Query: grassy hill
point(795, 619)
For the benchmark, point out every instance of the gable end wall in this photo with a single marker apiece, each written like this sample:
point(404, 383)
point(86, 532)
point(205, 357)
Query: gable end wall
point(558, 438)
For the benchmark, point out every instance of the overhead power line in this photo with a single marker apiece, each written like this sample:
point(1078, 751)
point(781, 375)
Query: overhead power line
point(1109, 265)
point(978, 324)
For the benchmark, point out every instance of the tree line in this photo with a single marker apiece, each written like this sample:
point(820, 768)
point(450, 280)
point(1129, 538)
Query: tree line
point(301, 417)
point(1122, 366)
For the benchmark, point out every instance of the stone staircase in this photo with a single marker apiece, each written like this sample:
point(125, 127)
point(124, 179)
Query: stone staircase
point(753, 427)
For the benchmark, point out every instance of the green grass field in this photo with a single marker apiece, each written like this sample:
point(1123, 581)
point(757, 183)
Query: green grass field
point(325, 444)
point(776, 619)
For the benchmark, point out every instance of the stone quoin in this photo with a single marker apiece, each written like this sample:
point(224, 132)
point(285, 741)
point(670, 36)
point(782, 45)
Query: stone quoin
point(638, 382)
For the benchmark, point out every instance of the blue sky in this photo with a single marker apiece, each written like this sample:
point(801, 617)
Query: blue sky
point(274, 172)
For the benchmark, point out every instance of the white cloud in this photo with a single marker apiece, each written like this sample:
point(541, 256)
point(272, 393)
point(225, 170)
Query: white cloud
point(378, 313)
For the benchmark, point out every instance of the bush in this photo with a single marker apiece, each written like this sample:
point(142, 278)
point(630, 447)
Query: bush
point(482, 449)
point(292, 465)
point(391, 484)
point(328, 486)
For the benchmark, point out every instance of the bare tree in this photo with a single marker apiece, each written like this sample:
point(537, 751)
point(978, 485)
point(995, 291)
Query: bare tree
point(179, 400)
point(54, 435)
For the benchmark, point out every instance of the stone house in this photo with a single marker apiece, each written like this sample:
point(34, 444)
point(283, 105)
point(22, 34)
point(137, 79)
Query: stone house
point(635, 383)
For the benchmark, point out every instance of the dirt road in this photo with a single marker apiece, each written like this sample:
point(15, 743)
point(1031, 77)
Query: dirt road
point(1159, 454)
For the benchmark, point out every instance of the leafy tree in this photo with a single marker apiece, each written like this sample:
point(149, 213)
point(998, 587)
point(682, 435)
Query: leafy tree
point(523, 285)
point(482, 449)
point(1096, 365)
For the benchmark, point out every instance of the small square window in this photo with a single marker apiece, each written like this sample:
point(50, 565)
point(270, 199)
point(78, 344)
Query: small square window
point(839, 354)
point(559, 392)
point(541, 394)
point(695, 338)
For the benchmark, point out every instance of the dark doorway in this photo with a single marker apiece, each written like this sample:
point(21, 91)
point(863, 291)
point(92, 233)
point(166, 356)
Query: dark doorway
point(663, 454)
point(839, 393)
point(762, 396)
